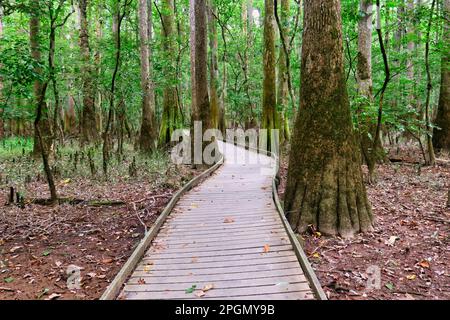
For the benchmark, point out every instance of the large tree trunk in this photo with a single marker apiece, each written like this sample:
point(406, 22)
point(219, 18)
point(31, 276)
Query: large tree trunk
point(148, 133)
point(213, 67)
point(171, 111)
point(441, 137)
point(89, 130)
point(269, 119)
point(325, 186)
point(44, 123)
point(199, 60)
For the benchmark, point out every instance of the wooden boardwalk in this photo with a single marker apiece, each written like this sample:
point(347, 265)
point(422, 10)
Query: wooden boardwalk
point(223, 240)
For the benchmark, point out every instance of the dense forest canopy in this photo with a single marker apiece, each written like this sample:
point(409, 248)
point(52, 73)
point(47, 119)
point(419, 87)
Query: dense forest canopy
point(239, 56)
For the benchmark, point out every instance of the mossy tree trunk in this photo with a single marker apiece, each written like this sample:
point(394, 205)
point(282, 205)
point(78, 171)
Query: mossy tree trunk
point(441, 137)
point(147, 133)
point(269, 119)
point(325, 185)
point(171, 111)
point(213, 66)
point(89, 130)
point(283, 80)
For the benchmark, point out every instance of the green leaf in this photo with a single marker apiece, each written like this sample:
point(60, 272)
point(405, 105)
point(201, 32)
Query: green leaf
point(46, 252)
point(390, 286)
point(43, 292)
point(9, 280)
point(191, 289)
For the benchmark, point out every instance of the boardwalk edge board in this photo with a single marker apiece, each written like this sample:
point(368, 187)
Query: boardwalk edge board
point(299, 252)
point(114, 288)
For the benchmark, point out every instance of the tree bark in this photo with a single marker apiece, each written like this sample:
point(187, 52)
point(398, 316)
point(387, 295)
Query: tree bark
point(171, 110)
point(283, 76)
point(213, 66)
point(201, 110)
point(431, 155)
point(44, 123)
point(325, 186)
point(148, 133)
point(89, 130)
point(269, 119)
point(441, 135)
point(364, 66)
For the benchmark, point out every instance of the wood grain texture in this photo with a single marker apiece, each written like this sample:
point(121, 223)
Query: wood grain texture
point(227, 233)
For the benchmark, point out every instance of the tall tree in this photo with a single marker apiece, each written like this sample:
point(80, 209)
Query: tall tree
point(89, 130)
point(283, 72)
point(216, 112)
point(44, 122)
point(364, 65)
point(201, 106)
point(148, 132)
point(325, 185)
point(171, 109)
point(441, 135)
point(269, 119)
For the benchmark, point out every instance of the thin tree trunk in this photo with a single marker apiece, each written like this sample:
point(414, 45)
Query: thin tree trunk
point(2, 127)
point(325, 186)
point(44, 121)
point(431, 156)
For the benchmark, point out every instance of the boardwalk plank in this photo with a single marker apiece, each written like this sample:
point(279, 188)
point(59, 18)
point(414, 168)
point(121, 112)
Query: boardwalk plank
point(226, 232)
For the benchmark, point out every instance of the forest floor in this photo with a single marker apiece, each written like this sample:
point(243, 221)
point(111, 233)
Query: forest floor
point(41, 245)
point(410, 244)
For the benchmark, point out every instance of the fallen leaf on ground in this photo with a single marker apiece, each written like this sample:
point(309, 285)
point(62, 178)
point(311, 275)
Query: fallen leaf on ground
point(14, 249)
point(266, 248)
point(424, 264)
point(392, 240)
point(191, 289)
point(9, 280)
point(316, 255)
point(108, 260)
point(208, 287)
point(147, 268)
point(200, 293)
point(53, 296)
point(228, 220)
point(141, 281)
point(411, 277)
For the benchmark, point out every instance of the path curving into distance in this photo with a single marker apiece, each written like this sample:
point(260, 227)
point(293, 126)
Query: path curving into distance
point(226, 234)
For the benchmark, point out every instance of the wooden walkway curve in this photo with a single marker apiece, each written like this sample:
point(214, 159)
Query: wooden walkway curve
point(224, 239)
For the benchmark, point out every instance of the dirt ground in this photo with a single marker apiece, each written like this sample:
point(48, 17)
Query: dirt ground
point(410, 245)
point(42, 246)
